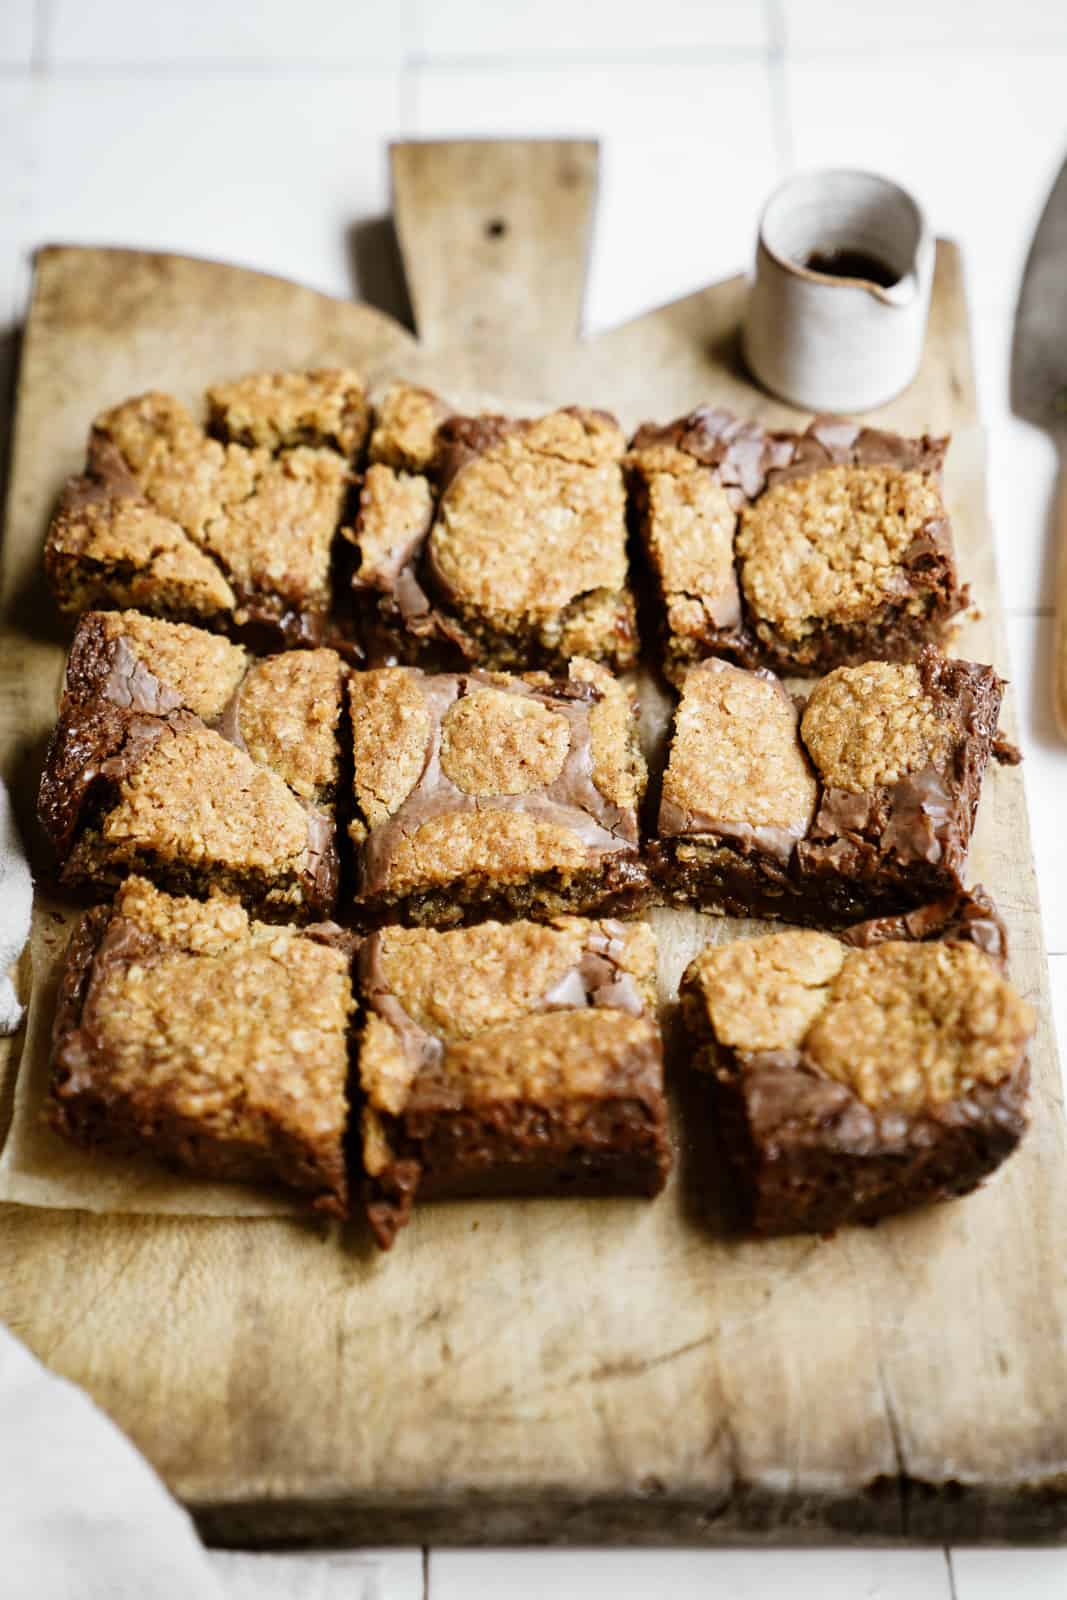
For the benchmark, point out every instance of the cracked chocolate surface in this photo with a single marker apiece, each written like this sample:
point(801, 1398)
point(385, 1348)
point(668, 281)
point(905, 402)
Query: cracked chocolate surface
point(524, 1055)
point(857, 1078)
point(136, 780)
point(481, 778)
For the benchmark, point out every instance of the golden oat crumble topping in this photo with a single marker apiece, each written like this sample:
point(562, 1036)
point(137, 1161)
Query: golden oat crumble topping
point(493, 742)
point(231, 1023)
point(830, 548)
point(289, 710)
point(202, 668)
point(195, 798)
point(764, 994)
point(870, 725)
point(619, 770)
point(496, 845)
point(735, 755)
point(125, 534)
point(689, 531)
point(390, 733)
point(461, 982)
point(405, 427)
point(274, 409)
point(395, 512)
point(269, 519)
point(908, 1026)
point(536, 520)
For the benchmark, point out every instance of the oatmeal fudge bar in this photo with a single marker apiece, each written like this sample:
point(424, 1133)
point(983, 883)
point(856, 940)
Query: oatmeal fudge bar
point(517, 1059)
point(232, 525)
point(861, 804)
point(799, 552)
point(860, 1076)
point(217, 1044)
point(493, 541)
point(480, 795)
point(179, 756)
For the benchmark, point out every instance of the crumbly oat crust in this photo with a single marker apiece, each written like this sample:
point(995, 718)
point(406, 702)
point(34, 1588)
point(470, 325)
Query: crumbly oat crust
point(736, 764)
point(764, 994)
point(833, 547)
point(201, 668)
point(406, 421)
point(913, 1025)
point(493, 742)
point(290, 708)
point(870, 725)
point(395, 514)
point(688, 524)
point(277, 409)
point(210, 1039)
point(103, 548)
point(391, 725)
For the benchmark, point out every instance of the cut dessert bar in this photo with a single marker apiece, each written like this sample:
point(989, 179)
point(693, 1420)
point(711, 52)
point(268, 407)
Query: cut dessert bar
point(191, 1033)
point(232, 526)
point(179, 756)
point(491, 540)
point(510, 1059)
point(862, 804)
point(860, 1076)
point(479, 795)
point(796, 551)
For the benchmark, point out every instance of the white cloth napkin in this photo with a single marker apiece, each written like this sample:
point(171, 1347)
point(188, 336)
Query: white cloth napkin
point(82, 1514)
point(16, 900)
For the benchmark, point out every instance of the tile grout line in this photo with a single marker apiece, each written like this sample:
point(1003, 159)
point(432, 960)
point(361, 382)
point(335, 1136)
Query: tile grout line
point(952, 1592)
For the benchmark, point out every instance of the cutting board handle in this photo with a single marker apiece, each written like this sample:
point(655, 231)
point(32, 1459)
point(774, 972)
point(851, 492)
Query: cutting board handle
point(495, 236)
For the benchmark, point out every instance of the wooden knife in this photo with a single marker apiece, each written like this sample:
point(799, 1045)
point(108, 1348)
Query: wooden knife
point(1039, 391)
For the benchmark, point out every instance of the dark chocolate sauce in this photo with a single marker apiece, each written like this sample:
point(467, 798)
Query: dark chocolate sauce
point(852, 264)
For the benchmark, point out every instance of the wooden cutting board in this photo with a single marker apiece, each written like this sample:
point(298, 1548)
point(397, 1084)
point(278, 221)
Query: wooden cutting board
point(540, 1370)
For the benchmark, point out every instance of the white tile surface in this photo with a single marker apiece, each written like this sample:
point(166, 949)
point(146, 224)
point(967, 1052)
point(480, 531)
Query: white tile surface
point(977, 137)
point(114, 32)
point(265, 171)
point(605, 28)
point(826, 25)
point(689, 1574)
point(673, 214)
point(1022, 472)
point(16, 33)
point(366, 1575)
point(1010, 1574)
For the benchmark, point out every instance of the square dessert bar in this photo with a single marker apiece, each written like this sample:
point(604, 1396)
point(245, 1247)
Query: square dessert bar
point(799, 552)
point(232, 525)
point(862, 804)
point(215, 1043)
point(179, 756)
point(518, 1059)
point(495, 541)
point(479, 795)
point(860, 1076)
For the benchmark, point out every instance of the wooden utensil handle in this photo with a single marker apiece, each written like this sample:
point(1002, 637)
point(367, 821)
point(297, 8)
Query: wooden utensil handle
point(495, 237)
point(1059, 625)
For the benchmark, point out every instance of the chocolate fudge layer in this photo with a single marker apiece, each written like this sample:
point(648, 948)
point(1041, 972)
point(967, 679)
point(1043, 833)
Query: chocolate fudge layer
point(861, 806)
point(214, 1043)
point(853, 1082)
point(799, 552)
point(521, 1059)
point(482, 795)
point(179, 756)
point(231, 526)
point(494, 541)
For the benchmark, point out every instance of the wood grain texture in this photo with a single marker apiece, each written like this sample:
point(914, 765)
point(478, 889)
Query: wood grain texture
point(543, 1370)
